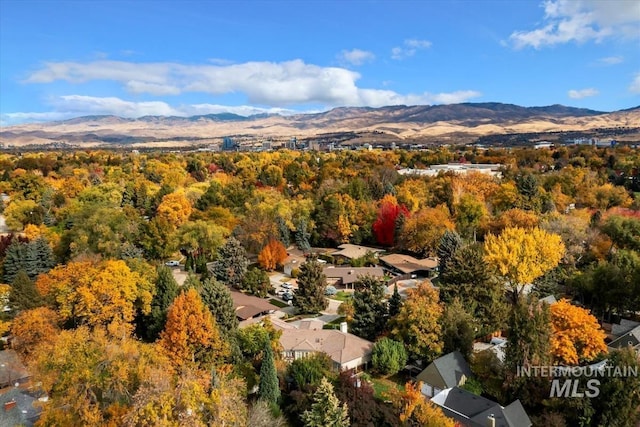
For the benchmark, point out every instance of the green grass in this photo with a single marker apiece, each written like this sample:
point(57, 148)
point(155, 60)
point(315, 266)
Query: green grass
point(278, 303)
point(342, 296)
point(382, 386)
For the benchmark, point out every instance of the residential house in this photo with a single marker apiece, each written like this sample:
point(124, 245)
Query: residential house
point(17, 407)
point(346, 350)
point(249, 306)
point(627, 333)
point(347, 276)
point(347, 252)
point(470, 410)
point(445, 372)
point(409, 266)
point(12, 371)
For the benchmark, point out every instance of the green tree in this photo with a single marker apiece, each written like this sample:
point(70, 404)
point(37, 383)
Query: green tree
point(217, 298)
point(449, 244)
point(395, 302)
point(388, 356)
point(166, 290)
point(370, 307)
point(24, 295)
point(624, 232)
point(302, 236)
point(309, 371)
point(256, 282)
point(326, 409)
point(458, 329)
point(310, 298)
point(231, 264)
point(269, 385)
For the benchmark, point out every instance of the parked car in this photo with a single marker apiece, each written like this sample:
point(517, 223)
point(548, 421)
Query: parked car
point(172, 263)
point(287, 296)
point(287, 286)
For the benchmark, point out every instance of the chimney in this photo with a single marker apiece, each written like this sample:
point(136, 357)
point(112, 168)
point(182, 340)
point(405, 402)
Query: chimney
point(491, 421)
point(343, 327)
point(9, 405)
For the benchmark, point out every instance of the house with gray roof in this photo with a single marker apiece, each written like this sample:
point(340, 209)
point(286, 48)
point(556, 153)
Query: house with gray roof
point(629, 338)
point(19, 407)
point(470, 410)
point(445, 372)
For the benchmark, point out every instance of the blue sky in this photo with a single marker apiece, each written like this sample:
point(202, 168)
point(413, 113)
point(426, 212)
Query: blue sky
point(62, 59)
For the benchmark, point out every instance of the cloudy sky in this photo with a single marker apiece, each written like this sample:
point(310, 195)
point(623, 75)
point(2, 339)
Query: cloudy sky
point(62, 59)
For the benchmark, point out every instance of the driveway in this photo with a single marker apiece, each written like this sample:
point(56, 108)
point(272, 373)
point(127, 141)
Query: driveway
point(3, 225)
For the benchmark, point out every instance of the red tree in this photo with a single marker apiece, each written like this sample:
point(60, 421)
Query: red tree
point(385, 225)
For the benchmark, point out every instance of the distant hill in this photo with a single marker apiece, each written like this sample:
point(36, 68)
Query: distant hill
point(445, 123)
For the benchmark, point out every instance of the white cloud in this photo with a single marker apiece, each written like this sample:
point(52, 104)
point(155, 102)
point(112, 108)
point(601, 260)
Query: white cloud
point(409, 48)
point(263, 83)
point(356, 56)
point(611, 60)
point(581, 21)
point(634, 87)
point(582, 93)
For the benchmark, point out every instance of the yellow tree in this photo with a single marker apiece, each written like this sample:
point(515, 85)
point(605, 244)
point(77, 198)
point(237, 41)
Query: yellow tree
point(104, 294)
point(175, 208)
point(418, 322)
point(33, 327)
point(272, 255)
point(521, 255)
point(577, 336)
point(191, 334)
point(414, 409)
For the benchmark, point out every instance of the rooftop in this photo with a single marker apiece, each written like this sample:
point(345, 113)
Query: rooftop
point(248, 306)
point(408, 264)
point(351, 274)
point(355, 251)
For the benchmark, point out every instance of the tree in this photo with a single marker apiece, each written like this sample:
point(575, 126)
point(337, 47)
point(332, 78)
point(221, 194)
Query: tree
point(33, 257)
point(231, 265)
point(418, 323)
point(449, 244)
point(175, 209)
point(269, 385)
point(33, 327)
point(384, 227)
point(577, 336)
point(191, 334)
point(423, 230)
point(395, 302)
point(309, 371)
point(326, 409)
point(284, 233)
point(310, 298)
point(272, 255)
point(415, 410)
point(521, 255)
point(217, 298)
point(388, 356)
point(302, 236)
point(624, 232)
point(370, 307)
point(166, 290)
point(256, 282)
point(24, 295)
point(469, 213)
point(458, 329)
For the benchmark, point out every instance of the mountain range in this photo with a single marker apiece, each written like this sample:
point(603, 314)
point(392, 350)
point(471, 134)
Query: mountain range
point(438, 123)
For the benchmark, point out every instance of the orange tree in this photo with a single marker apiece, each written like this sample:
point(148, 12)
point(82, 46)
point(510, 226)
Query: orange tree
point(577, 336)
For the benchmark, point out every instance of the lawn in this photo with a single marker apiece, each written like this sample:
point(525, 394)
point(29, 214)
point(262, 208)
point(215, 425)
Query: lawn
point(342, 296)
point(278, 303)
point(382, 386)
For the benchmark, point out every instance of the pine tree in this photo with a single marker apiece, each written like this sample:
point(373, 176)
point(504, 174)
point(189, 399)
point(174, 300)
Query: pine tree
point(370, 307)
point(34, 258)
point(312, 283)
point(14, 260)
point(24, 295)
point(395, 302)
point(269, 385)
point(217, 298)
point(449, 244)
point(326, 409)
point(166, 290)
point(283, 232)
point(231, 265)
point(302, 236)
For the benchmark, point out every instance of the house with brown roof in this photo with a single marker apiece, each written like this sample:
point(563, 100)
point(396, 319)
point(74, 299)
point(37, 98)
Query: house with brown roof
point(346, 350)
point(249, 306)
point(347, 252)
point(408, 265)
point(347, 276)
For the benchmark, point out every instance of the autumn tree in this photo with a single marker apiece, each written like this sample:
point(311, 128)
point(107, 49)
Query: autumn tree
point(175, 208)
point(422, 231)
point(415, 410)
point(310, 298)
point(577, 336)
point(418, 323)
point(384, 227)
point(33, 327)
point(191, 334)
point(231, 263)
point(272, 255)
point(269, 385)
point(370, 307)
point(326, 409)
point(521, 255)
point(256, 282)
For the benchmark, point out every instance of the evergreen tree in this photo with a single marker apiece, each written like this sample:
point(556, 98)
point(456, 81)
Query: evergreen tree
point(166, 290)
point(283, 232)
point(449, 245)
point(217, 298)
point(326, 409)
point(269, 385)
point(310, 298)
point(458, 329)
point(231, 265)
point(302, 236)
point(395, 302)
point(256, 282)
point(23, 294)
point(370, 307)
point(34, 258)
point(14, 260)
